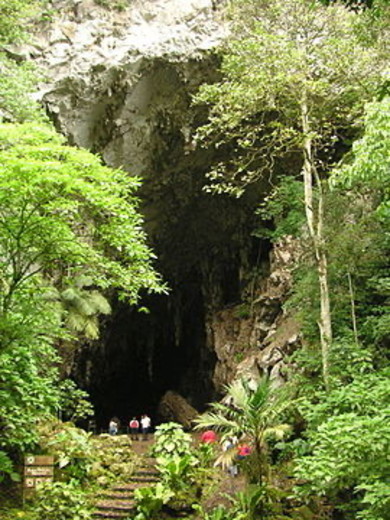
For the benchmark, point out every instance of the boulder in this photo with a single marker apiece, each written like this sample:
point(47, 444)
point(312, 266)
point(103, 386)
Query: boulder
point(174, 407)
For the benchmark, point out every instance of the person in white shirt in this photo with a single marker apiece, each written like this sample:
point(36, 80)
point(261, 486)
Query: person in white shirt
point(145, 426)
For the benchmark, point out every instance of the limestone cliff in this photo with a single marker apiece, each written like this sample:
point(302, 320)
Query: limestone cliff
point(113, 77)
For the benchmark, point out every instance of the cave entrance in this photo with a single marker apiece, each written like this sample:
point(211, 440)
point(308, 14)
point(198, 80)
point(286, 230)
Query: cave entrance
point(205, 255)
point(147, 354)
point(204, 244)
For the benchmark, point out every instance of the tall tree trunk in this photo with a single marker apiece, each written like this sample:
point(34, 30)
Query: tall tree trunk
point(353, 312)
point(315, 226)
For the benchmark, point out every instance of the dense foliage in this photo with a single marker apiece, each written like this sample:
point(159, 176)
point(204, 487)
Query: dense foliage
point(302, 106)
point(70, 232)
point(65, 214)
point(300, 82)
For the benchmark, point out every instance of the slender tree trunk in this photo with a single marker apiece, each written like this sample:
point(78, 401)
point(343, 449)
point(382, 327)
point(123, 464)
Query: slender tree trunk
point(259, 461)
point(353, 312)
point(316, 233)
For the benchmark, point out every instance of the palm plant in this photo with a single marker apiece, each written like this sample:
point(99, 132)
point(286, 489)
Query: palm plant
point(81, 307)
point(249, 413)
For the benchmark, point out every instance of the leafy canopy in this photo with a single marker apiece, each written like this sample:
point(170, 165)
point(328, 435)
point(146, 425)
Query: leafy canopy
point(367, 167)
point(279, 52)
point(63, 212)
point(17, 79)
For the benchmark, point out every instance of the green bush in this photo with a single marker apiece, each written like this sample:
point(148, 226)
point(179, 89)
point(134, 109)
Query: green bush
point(349, 437)
point(114, 461)
point(150, 501)
point(71, 447)
point(170, 439)
point(74, 402)
point(7, 468)
point(218, 513)
point(62, 501)
point(183, 476)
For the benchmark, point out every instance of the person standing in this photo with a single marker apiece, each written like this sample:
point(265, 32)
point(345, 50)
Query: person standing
point(134, 428)
point(145, 426)
point(228, 446)
point(113, 426)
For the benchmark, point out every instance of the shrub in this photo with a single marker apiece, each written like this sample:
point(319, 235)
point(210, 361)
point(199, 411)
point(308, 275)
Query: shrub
point(71, 446)
point(150, 500)
point(7, 469)
point(115, 460)
point(62, 501)
point(170, 439)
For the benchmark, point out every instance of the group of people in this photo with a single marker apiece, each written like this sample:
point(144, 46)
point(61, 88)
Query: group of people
point(141, 426)
point(138, 428)
point(240, 450)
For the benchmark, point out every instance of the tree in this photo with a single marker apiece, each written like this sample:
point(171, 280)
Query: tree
point(69, 231)
point(296, 76)
point(28, 369)
point(63, 214)
point(252, 413)
point(366, 171)
point(367, 166)
point(17, 77)
point(349, 435)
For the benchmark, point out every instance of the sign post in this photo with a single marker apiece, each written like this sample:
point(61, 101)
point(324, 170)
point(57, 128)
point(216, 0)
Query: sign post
point(37, 469)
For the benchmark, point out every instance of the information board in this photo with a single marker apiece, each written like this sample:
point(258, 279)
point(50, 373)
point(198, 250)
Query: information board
point(37, 469)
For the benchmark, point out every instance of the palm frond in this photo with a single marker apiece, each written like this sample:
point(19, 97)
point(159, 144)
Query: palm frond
point(216, 422)
point(69, 295)
point(91, 329)
point(226, 458)
point(75, 322)
point(99, 303)
point(238, 394)
point(83, 281)
point(278, 431)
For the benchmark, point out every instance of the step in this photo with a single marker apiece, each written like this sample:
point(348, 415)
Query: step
point(124, 494)
point(131, 486)
point(146, 473)
point(149, 463)
point(116, 505)
point(145, 479)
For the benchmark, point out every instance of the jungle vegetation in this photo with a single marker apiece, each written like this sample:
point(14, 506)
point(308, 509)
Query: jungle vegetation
point(305, 84)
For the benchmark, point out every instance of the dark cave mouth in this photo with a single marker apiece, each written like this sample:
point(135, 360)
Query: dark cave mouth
point(207, 253)
point(145, 355)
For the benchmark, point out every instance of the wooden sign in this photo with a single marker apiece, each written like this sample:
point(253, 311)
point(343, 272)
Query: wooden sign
point(37, 469)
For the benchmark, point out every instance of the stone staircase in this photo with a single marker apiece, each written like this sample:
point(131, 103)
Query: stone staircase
point(118, 501)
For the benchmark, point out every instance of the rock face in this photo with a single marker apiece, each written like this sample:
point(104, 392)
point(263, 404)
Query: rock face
point(115, 78)
point(253, 339)
point(85, 35)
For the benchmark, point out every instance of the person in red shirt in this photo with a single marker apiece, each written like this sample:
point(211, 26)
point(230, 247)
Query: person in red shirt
point(208, 437)
point(134, 428)
point(243, 450)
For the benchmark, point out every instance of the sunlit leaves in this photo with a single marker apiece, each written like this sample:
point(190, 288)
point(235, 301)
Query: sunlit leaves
point(370, 164)
point(277, 50)
point(62, 210)
point(13, 15)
